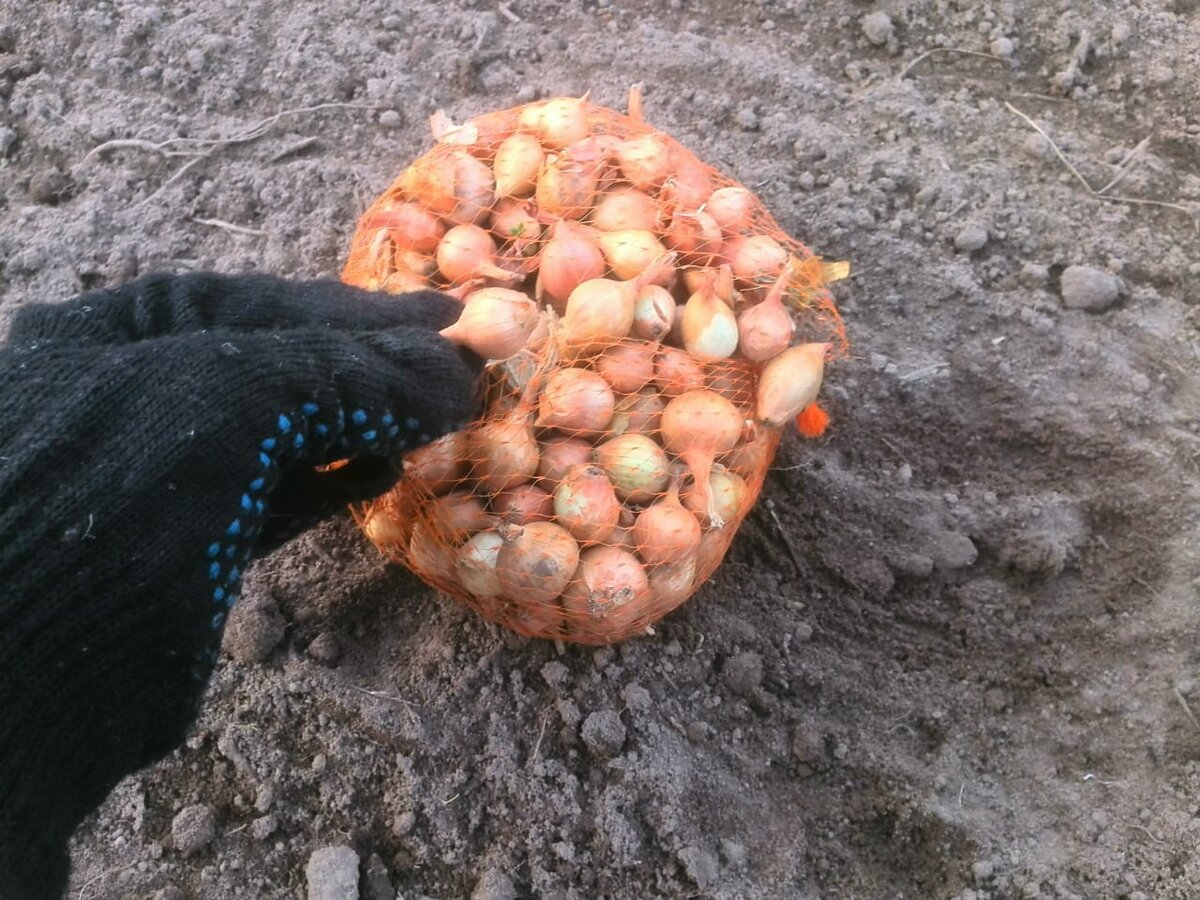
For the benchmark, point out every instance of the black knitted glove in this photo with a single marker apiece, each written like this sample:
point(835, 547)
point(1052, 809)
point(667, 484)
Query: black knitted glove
point(153, 440)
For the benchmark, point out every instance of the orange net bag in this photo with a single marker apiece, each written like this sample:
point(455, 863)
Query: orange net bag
point(650, 330)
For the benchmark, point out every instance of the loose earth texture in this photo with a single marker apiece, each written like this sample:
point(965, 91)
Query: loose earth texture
point(952, 654)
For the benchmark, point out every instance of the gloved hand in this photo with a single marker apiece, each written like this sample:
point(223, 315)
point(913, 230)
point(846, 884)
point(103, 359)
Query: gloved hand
point(153, 440)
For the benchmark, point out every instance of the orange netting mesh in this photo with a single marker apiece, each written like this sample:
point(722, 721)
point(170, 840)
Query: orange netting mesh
point(583, 505)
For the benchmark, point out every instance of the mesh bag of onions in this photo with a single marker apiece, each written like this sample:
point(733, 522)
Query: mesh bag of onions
point(650, 331)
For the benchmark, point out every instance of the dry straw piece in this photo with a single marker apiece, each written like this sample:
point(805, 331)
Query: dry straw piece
point(631, 419)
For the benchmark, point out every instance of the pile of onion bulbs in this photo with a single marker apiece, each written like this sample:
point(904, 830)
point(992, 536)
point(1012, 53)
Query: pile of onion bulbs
point(649, 329)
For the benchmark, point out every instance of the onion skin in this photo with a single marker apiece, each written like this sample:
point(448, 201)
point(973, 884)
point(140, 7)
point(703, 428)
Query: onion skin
point(559, 454)
point(568, 259)
point(503, 453)
point(665, 532)
point(536, 562)
point(676, 372)
point(586, 504)
point(438, 466)
point(627, 366)
point(636, 465)
point(697, 426)
point(495, 323)
point(476, 565)
point(790, 382)
point(524, 504)
point(653, 313)
point(518, 161)
point(609, 593)
point(576, 401)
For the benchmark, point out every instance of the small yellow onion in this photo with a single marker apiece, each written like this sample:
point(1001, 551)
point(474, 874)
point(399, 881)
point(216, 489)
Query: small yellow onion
point(625, 209)
point(756, 257)
point(530, 118)
point(518, 161)
point(730, 208)
point(645, 161)
point(637, 467)
point(639, 413)
point(457, 515)
point(750, 456)
point(536, 561)
point(690, 182)
point(468, 252)
point(665, 532)
point(432, 556)
point(523, 504)
point(627, 366)
point(563, 121)
point(601, 310)
point(676, 372)
point(790, 382)
point(476, 565)
point(383, 528)
point(586, 504)
point(568, 259)
point(409, 225)
point(632, 252)
point(736, 382)
point(566, 188)
point(695, 236)
point(455, 185)
point(729, 493)
point(671, 585)
point(559, 454)
point(653, 313)
point(765, 330)
point(438, 466)
point(402, 281)
point(675, 333)
point(710, 330)
point(696, 427)
point(495, 322)
point(414, 261)
point(504, 453)
point(513, 221)
point(609, 594)
point(576, 401)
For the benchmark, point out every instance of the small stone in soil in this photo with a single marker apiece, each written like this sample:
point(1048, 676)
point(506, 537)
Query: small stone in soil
point(494, 885)
point(878, 28)
point(253, 631)
point(1087, 288)
point(193, 828)
point(325, 649)
point(604, 733)
point(743, 673)
point(332, 874)
point(1036, 145)
point(971, 237)
point(700, 866)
